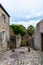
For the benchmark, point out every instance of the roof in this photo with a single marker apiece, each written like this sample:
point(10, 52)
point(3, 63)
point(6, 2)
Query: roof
point(40, 22)
point(4, 10)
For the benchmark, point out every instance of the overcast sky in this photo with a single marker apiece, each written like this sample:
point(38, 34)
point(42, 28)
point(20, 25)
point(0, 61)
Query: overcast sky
point(25, 12)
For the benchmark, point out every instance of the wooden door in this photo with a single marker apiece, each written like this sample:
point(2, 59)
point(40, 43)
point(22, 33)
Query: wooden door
point(42, 42)
point(0, 42)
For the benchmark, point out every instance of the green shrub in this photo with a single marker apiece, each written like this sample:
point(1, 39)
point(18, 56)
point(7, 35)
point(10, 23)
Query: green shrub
point(23, 44)
point(8, 44)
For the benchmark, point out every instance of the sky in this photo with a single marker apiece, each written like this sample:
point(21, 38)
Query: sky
point(24, 12)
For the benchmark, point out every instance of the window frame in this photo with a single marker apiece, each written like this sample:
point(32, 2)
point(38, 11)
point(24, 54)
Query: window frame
point(3, 18)
point(3, 36)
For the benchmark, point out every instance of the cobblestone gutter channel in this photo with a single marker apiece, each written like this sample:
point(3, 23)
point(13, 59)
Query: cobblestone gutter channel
point(21, 58)
point(41, 55)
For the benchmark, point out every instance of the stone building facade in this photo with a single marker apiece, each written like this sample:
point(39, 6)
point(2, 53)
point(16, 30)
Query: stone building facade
point(4, 28)
point(38, 36)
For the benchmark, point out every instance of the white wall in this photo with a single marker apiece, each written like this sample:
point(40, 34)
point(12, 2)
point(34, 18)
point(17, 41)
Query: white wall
point(37, 38)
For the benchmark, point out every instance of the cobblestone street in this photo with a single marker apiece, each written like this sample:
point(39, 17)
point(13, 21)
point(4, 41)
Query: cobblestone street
point(20, 57)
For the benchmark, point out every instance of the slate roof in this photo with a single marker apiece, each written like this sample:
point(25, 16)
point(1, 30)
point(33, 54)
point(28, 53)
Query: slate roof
point(4, 10)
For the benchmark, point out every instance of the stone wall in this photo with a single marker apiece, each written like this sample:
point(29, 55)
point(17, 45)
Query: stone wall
point(4, 27)
point(18, 40)
point(37, 35)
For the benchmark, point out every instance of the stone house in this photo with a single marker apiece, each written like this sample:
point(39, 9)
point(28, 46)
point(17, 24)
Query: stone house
point(15, 40)
point(26, 39)
point(38, 36)
point(4, 28)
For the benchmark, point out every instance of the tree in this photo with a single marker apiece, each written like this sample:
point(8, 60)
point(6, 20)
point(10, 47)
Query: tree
point(30, 30)
point(18, 29)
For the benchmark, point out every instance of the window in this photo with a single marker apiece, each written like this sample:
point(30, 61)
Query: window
point(3, 36)
point(3, 18)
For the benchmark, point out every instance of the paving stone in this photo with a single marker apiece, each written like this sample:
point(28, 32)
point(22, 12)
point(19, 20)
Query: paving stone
point(20, 58)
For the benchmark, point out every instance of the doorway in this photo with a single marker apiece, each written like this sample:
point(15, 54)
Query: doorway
point(41, 42)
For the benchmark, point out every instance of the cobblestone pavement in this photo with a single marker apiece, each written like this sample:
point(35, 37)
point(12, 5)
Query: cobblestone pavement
point(21, 58)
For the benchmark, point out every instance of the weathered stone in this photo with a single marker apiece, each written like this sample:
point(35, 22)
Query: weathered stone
point(27, 58)
point(4, 26)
